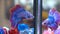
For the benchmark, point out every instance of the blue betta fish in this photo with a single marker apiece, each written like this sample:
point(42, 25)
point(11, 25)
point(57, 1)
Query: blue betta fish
point(18, 16)
point(50, 21)
point(2, 31)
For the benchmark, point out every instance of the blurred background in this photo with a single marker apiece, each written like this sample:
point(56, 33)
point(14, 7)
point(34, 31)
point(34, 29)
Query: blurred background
point(47, 5)
point(5, 6)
